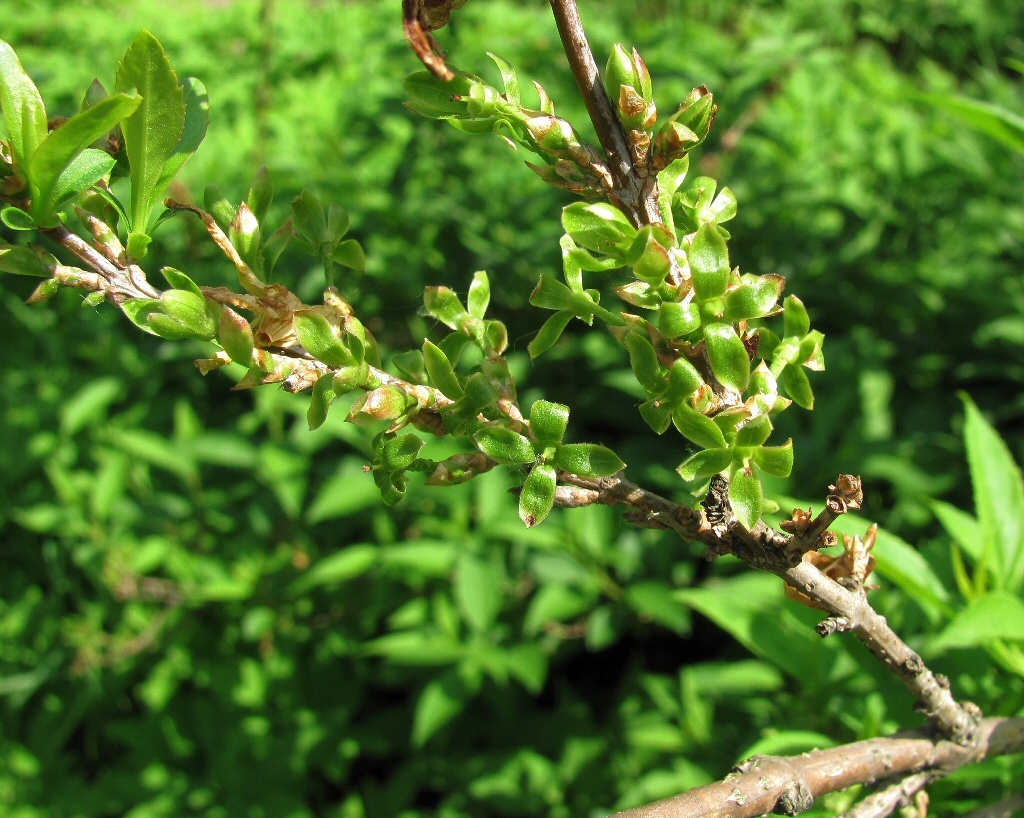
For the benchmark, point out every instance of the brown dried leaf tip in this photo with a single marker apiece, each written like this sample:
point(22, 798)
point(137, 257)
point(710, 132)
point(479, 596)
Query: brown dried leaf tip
point(846, 494)
point(420, 18)
point(850, 569)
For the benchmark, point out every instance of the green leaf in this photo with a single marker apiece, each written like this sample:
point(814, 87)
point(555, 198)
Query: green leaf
point(775, 460)
point(753, 433)
point(727, 355)
point(197, 120)
point(479, 295)
point(443, 304)
point(417, 648)
point(538, 496)
point(504, 445)
point(548, 421)
point(66, 143)
point(399, 452)
point(349, 253)
point(656, 601)
point(795, 318)
point(797, 386)
point(510, 79)
point(598, 226)
point(998, 498)
point(698, 428)
point(555, 602)
point(22, 108)
point(441, 701)
point(316, 335)
point(746, 497)
point(588, 460)
point(704, 464)
point(965, 530)
point(552, 294)
point(676, 319)
point(17, 219)
point(997, 615)
point(478, 592)
point(644, 361)
point(350, 563)
point(648, 256)
point(236, 337)
point(753, 299)
point(309, 220)
point(188, 316)
point(261, 193)
point(709, 262)
point(154, 130)
point(320, 400)
point(84, 171)
point(22, 261)
point(549, 333)
point(440, 371)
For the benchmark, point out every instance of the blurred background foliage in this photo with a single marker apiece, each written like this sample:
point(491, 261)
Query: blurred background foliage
point(206, 610)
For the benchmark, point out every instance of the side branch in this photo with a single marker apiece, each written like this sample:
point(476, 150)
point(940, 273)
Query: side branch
point(790, 785)
point(631, 192)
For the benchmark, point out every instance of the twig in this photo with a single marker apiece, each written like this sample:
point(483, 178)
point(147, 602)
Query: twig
point(887, 800)
point(632, 192)
point(121, 284)
point(790, 785)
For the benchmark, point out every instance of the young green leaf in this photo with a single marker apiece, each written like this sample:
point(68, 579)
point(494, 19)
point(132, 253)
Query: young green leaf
point(197, 120)
point(598, 226)
point(22, 261)
point(440, 702)
point(479, 295)
point(440, 371)
point(235, 335)
point(321, 398)
point(704, 464)
point(588, 460)
point(676, 319)
point(709, 262)
point(66, 143)
point(538, 496)
point(775, 460)
point(698, 428)
point(753, 299)
point(504, 445)
point(317, 336)
point(727, 355)
point(548, 421)
point(746, 497)
point(84, 171)
point(797, 385)
point(549, 333)
point(22, 108)
point(154, 130)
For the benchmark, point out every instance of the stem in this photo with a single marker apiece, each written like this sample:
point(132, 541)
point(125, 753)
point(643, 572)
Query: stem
point(634, 194)
point(790, 785)
point(887, 800)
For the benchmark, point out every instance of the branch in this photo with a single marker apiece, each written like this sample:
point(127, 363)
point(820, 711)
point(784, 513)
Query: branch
point(887, 800)
point(634, 193)
point(791, 785)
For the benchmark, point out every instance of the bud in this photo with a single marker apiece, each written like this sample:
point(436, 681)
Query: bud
point(697, 114)
point(675, 140)
point(629, 86)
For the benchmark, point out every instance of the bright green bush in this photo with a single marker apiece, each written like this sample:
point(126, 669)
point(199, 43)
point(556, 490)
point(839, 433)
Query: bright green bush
point(205, 608)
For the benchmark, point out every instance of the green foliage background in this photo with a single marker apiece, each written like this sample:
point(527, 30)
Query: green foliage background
point(205, 609)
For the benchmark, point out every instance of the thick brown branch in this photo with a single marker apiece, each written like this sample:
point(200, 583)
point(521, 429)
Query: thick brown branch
point(790, 785)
